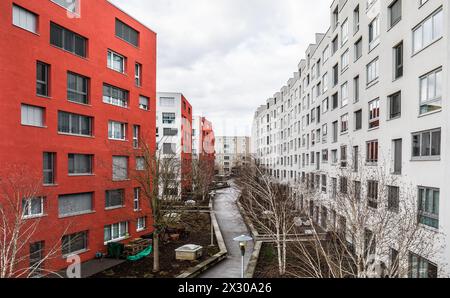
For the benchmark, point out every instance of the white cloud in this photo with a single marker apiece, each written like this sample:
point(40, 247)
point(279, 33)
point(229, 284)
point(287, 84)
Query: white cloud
point(228, 56)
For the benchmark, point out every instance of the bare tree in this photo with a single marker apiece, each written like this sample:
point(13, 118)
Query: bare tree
point(202, 176)
point(158, 176)
point(270, 206)
point(373, 225)
point(18, 187)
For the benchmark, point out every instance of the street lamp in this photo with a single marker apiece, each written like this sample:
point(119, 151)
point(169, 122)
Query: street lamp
point(242, 245)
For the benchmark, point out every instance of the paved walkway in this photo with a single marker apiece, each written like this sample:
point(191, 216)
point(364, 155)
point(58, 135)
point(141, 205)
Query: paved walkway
point(231, 225)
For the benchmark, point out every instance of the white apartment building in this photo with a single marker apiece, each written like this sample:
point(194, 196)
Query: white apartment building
point(375, 86)
point(174, 131)
point(231, 152)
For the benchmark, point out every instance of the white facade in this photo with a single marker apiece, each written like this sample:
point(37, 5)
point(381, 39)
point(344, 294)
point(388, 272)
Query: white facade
point(168, 122)
point(318, 119)
point(231, 152)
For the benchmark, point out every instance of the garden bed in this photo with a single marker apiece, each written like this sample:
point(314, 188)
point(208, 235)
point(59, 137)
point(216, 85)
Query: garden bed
point(170, 267)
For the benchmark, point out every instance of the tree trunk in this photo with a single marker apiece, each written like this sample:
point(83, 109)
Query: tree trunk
point(155, 251)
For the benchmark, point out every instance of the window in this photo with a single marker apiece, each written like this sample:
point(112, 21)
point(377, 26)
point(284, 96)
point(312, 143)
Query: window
point(32, 207)
point(325, 83)
point(344, 32)
point(116, 61)
point(77, 88)
point(170, 132)
point(358, 120)
point(115, 96)
point(343, 156)
point(80, 164)
point(393, 198)
point(325, 105)
point(335, 45)
point(32, 115)
point(395, 105)
point(36, 258)
point(430, 30)
point(372, 194)
point(75, 204)
point(345, 59)
point(369, 243)
point(49, 160)
point(166, 101)
point(144, 103)
point(114, 198)
point(344, 94)
point(344, 123)
point(24, 19)
point(42, 79)
point(372, 152)
point(116, 232)
point(336, 17)
point(335, 132)
point(136, 199)
point(356, 19)
point(421, 268)
point(169, 148)
point(127, 33)
point(141, 224)
point(335, 101)
point(395, 12)
point(67, 40)
point(70, 5)
point(326, 54)
point(74, 124)
point(325, 156)
point(335, 75)
point(140, 163)
point(136, 135)
point(356, 89)
point(343, 185)
point(429, 207)
point(431, 92)
point(398, 61)
point(358, 49)
point(426, 144)
point(372, 71)
point(397, 162)
point(120, 168)
point(138, 74)
point(333, 187)
point(374, 113)
point(117, 130)
point(324, 183)
point(74, 243)
point(168, 118)
point(374, 33)
point(357, 186)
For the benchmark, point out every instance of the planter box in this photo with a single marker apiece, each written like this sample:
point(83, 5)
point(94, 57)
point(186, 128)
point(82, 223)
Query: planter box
point(190, 252)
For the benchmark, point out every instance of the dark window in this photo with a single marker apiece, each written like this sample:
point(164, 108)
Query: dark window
point(42, 79)
point(421, 268)
point(356, 88)
point(369, 243)
point(36, 258)
point(429, 206)
point(358, 120)
point(398, 61)
point(395, 105)
point(80, 164)
point(335, 74)
point(67, 40)
point(372, 194)
point(49, 168)
point(395, 12)
point(335, 101)
point(127, 33)
point(75, 204)
point(74, 243)
point(426, 144)
point(372, 152)
point(393, 198)
point(358, 49)
point(170, 131)
point(114, 198)
point(77, 88)
point(75, 124)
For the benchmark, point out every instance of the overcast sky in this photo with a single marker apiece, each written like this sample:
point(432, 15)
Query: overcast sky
point(228, 56)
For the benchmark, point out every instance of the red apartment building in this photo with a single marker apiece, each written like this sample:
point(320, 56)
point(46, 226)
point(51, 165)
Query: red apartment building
point(78, 81)
point(204, 143)
point(174, 134)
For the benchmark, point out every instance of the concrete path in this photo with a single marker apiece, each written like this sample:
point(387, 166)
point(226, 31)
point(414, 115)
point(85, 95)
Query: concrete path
point(231, 225)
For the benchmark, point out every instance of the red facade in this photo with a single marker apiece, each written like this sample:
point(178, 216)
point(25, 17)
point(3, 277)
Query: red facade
point(207, 141)
point(24, 145)
point(186, 145)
